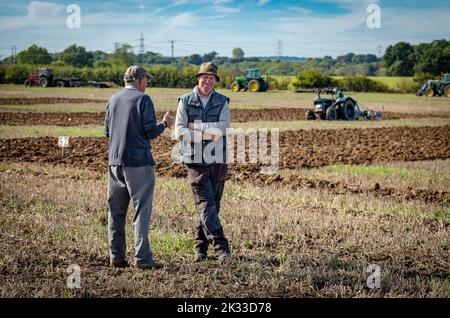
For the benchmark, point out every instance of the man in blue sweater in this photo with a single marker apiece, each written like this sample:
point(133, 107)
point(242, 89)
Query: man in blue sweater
point(130, 123)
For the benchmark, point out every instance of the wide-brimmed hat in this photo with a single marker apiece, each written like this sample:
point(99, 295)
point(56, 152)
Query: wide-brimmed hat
point(208, 68)
point(134, 73)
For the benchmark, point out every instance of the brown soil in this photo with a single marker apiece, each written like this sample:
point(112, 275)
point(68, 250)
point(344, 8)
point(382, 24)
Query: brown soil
point(313, 148)
point(298, 149)
point(48, 100)
point(237, 115)
point(53, 119)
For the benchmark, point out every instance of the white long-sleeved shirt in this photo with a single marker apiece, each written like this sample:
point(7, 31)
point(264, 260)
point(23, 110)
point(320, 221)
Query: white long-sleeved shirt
point(187, 134)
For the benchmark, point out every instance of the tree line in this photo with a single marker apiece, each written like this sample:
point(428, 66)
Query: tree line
point(423, 61)
point(400, 59)
point(404, 59)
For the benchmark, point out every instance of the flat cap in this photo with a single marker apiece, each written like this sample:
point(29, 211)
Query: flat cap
point(134, 73)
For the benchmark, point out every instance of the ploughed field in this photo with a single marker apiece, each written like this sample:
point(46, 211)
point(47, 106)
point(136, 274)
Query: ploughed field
point(237, 116)
point(298, 149)
point(337, 201)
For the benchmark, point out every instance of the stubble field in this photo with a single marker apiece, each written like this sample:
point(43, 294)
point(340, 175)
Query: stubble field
point(347, 195)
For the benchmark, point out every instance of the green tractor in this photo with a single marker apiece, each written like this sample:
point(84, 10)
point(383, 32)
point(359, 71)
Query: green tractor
point(252, 81)
point(436, 87)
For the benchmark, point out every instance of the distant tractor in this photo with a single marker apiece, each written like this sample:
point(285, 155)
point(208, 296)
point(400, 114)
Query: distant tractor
point(45, 78)
point(32, 80)
point(341, 107)
point(252, 81)
point(435, 87)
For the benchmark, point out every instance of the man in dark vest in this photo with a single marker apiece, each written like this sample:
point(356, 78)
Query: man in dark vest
point(130, 123)
point(202, 119)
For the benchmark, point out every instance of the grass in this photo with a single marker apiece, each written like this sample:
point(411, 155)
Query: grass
point(7, 131)
point(285, 243)
point(393, 82)
point(12, 90)
point(55, 108)
point(431, 175)
point(171, 243)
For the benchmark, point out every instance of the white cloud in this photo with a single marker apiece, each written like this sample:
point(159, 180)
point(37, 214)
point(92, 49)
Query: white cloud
point(222, 9)
point(214, 17)
point(114, 18)
point(300, 10)
point(179, 2)
point(217, 26)
point(222, 1)
point(38, 9)
point(38, 14)
point(319, 35)
point(263, 2)
point(173, 4)
point(177, 22)
point(350, 3)
point(181, 20)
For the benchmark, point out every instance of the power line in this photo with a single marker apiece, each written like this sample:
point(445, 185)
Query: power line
point(280, 46)
point(172, 47)
point(13, 53)
point(142, 48)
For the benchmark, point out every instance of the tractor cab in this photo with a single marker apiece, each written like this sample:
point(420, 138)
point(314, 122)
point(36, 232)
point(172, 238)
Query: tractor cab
point(253, 73)
point(446, 78)
point(320, 100)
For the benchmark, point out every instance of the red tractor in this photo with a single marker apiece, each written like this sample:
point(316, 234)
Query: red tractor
point(32, 80)
point(45, 78)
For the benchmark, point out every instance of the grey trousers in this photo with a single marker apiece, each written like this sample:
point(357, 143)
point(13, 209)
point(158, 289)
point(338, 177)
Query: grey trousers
point(138, 184)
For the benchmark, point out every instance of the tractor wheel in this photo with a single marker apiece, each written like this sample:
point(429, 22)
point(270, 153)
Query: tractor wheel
point(235, 87)
point(447, 91)
point(264, 86)
point(27, 83)
point(254, 85)
point(310, 115)
point(348, 110)
point(61, 84)
point(331, 114)
point(44, 82)
point(430, 92)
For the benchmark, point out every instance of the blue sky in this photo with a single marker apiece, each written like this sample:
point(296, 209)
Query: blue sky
point(260, 27)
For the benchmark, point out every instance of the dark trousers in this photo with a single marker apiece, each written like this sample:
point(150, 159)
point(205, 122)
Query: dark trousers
point(207, 184)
